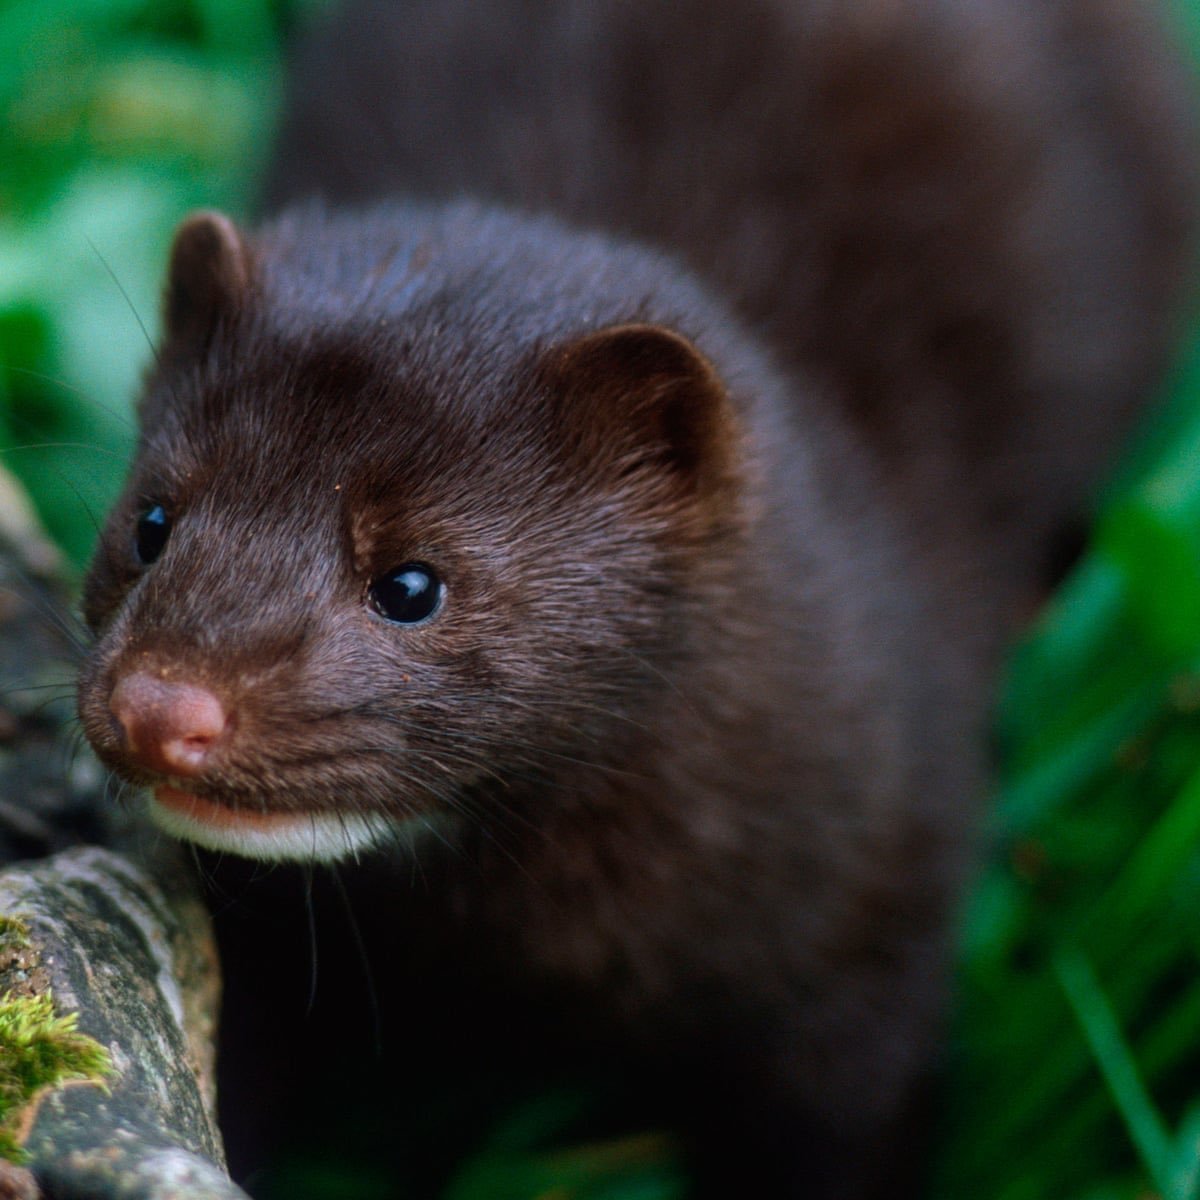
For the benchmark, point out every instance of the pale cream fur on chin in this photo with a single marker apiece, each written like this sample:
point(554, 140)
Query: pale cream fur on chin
point(305, 837)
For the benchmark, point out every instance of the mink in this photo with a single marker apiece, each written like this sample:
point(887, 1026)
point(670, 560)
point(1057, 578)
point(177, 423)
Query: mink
point(591, 504)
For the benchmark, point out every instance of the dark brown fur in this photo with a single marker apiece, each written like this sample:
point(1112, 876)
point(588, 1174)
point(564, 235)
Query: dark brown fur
point(726, 577)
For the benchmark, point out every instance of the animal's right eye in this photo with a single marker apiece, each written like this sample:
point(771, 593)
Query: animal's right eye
point(153, 529)
point(408, 595)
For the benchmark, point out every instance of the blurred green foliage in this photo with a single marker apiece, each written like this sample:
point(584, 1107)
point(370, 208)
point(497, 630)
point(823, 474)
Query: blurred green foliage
point(1075, 1070)
point(117, 117)
point(1078, 1054)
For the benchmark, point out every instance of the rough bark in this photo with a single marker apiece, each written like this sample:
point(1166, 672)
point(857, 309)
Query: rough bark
point(115, 929)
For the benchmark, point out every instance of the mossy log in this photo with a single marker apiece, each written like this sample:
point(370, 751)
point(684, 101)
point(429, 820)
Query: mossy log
point(135, 963)
point(104, 921)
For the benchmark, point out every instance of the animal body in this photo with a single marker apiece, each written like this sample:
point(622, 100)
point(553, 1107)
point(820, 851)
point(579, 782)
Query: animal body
point(595, 497)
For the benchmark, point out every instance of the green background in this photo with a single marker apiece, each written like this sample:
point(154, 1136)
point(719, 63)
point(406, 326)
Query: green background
point(1075, 1063)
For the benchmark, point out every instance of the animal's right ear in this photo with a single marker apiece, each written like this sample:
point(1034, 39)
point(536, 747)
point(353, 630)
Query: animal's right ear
point(208, 277)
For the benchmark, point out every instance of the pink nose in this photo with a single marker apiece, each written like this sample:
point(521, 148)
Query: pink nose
point(169, 727)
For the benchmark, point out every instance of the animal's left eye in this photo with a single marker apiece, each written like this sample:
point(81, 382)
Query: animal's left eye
point(153, 529)
point(408, 595)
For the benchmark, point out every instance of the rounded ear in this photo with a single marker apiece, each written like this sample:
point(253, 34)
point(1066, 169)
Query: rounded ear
point(641, 399)
point(209, 275)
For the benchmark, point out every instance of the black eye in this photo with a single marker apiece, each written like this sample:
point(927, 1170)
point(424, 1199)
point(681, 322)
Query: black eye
point(409, 594)
point(153, 529)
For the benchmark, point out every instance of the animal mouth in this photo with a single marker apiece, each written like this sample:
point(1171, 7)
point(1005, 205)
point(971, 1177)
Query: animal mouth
point(312, 836)
point(216, 812)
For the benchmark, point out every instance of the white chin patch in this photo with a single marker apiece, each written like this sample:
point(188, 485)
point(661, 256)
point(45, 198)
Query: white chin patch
point(274, 837)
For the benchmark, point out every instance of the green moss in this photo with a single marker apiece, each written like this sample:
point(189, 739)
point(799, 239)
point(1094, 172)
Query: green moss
point(13, 927)
point(38, 1048)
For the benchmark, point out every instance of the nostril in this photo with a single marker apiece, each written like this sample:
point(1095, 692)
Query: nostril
point(167, 725)
point(186, 755)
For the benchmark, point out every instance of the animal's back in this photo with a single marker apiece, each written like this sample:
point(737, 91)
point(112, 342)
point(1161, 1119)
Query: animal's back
point(970, 222)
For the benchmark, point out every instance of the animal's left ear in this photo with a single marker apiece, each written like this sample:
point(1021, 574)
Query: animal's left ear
point(643, 401)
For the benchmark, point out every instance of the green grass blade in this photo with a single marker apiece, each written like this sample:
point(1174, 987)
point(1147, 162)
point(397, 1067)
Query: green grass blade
point(1117, 1065)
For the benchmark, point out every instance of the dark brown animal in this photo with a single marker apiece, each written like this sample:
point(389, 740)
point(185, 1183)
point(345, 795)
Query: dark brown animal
point(669, 602)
